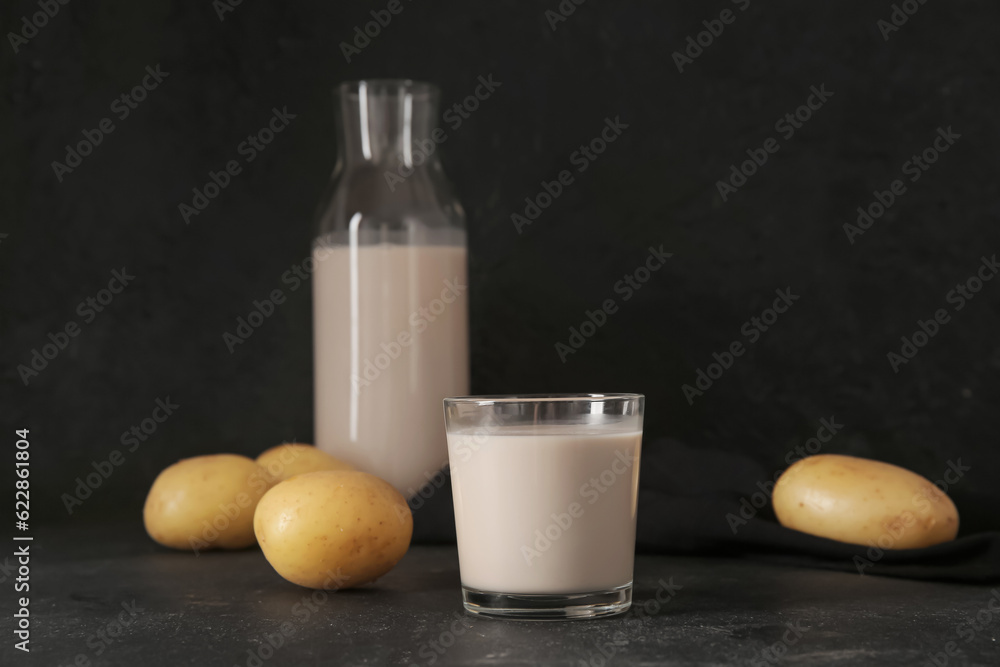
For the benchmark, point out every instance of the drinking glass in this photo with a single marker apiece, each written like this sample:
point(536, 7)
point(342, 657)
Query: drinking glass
point(545, 491)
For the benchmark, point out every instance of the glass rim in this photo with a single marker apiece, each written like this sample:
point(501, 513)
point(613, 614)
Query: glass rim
point(494, 399)
point(353, 88)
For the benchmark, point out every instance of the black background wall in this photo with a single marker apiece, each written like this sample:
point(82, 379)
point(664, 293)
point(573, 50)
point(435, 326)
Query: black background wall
point(656, 184)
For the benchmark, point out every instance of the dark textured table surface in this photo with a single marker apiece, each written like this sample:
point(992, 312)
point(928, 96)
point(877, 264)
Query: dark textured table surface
point(108, 596)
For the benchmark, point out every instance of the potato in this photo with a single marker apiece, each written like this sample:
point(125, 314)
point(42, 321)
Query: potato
point(333, 529)
point(288, 460)
point(205, 502)
point(862, 501)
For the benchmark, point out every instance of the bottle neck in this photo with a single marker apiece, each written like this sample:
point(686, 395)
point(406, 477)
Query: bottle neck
point(385, 123)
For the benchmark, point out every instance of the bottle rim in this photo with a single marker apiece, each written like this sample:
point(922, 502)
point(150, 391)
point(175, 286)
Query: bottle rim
point(353, 89)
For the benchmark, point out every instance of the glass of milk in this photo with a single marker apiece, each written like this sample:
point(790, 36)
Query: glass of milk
point(545, 490)
point(390, 292)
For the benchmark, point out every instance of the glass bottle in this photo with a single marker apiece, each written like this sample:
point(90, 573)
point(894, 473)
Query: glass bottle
point(390, 295)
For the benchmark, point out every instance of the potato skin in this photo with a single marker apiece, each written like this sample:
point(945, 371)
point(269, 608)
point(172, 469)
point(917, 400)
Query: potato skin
point(288, 460)
point(861, 501)
point(205, 502)
point(333, 529)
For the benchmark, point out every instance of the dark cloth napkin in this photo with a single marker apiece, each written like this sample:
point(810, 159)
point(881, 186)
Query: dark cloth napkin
point(695, 501)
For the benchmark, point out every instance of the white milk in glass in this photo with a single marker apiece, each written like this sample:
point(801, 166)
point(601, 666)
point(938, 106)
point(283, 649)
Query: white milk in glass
point(546, 508)
point(390, 343)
